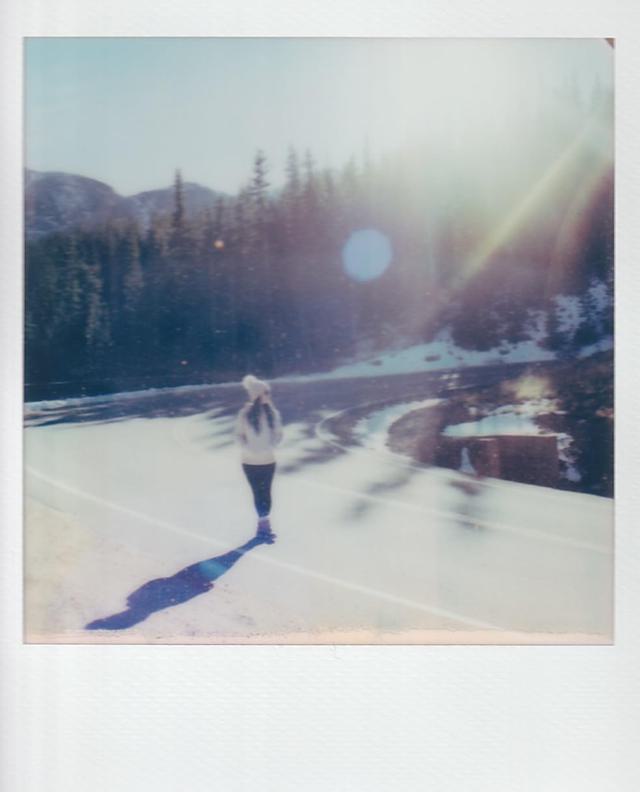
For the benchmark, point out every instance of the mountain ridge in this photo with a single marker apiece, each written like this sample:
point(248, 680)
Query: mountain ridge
point(57, 201)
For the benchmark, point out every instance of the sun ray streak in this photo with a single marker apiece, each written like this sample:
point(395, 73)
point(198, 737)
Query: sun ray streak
point(524, 208)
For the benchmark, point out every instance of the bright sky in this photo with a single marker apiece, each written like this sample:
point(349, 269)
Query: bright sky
point(128, 111)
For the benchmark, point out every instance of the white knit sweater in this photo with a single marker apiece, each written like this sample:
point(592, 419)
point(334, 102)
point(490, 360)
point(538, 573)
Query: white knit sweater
point(257, 447)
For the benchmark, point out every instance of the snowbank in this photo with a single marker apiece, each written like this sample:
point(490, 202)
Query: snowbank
point(373, 430)
point(77, 401)
point(442, 353)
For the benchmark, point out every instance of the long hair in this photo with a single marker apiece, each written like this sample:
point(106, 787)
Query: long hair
point(256, 410)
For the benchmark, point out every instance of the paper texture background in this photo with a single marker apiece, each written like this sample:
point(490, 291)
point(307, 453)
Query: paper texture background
point(321, 718)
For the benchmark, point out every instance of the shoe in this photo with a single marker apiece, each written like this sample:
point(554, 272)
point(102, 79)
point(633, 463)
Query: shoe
point(264, 530)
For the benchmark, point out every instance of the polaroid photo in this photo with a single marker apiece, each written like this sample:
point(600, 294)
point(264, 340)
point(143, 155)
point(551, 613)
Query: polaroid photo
point(309, 397)
point(319, 340)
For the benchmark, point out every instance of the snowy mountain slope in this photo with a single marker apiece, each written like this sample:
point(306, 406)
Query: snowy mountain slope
point(60, 201)
point(143, 206)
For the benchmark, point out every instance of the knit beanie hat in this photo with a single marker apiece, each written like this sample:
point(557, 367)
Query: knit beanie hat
point(254, 386)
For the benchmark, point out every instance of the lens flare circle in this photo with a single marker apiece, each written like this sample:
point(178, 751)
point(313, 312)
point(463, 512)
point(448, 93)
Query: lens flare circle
point(366, 254)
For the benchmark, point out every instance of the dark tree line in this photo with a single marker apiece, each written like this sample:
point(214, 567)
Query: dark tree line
point(257, 281)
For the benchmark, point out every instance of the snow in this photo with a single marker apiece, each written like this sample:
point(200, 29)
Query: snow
point(46, 405)
point(518, 419)
point(537, 326)
point(368, 548)
point(466, 465)
point(495, 424)
point(508, 419)
point(571, 472)
point(372, 431)
point(604, 345)
point(600, 296)
point(569, 313)
point(442, 353)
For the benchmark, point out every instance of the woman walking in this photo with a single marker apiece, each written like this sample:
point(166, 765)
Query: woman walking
point(259, 430)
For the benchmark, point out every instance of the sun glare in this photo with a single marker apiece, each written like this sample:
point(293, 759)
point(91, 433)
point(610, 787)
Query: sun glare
point(366, 254)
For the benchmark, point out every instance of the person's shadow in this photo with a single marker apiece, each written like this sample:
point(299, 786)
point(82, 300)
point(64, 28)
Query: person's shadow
point(181, 587)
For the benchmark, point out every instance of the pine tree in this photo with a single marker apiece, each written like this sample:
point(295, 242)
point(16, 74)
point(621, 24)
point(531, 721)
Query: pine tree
point(78, 324)
point(259, 204)
point(178, 237)
point(260, 293)
point(97, 327)
point(291, 197)
point(309, 194)
point(43, 279)
point(133, 277)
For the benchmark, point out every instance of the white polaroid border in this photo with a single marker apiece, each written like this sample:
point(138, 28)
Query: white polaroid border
point(447, 718)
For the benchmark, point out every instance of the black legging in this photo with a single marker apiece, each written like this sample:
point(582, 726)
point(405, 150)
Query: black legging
point(260, 478)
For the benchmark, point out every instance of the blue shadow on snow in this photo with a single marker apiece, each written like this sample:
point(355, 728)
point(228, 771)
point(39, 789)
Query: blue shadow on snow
point(163, 593)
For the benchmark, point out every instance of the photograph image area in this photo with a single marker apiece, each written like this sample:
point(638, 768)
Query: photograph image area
point(318, 340)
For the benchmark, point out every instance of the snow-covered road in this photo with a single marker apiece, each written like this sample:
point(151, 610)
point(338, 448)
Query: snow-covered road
point(369, 548)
